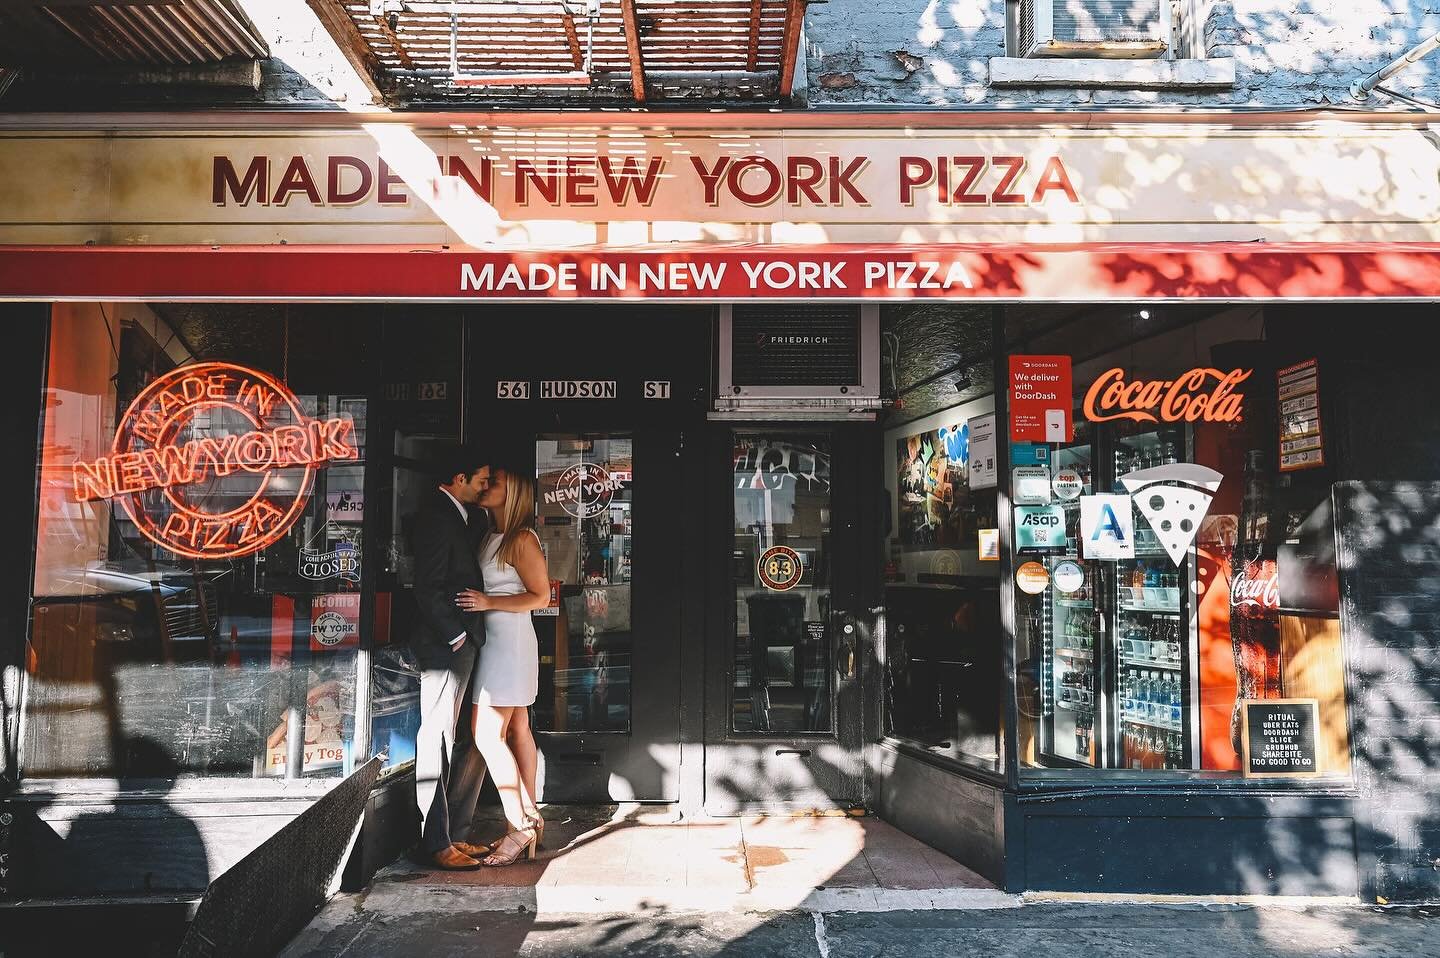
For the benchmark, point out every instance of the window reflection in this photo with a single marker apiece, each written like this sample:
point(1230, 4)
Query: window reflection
point(783, 680)
point(143, 662)
point(583, 515)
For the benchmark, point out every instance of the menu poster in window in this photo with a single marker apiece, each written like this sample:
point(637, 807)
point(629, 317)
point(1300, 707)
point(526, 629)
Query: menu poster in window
point(1040, 399)
point(1299, 394)
point(983, 471)
point(989, 545)
point(930, 485)
point(1279, 738)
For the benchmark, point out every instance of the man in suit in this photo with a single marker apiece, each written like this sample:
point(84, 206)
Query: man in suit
point(447, 641)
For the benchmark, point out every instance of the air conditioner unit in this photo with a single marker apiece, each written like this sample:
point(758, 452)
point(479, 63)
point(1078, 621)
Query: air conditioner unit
point(1093, 28)
point(803, 361)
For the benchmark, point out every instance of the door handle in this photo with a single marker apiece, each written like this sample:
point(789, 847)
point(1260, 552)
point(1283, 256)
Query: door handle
point(801, 752)
point(845, 657)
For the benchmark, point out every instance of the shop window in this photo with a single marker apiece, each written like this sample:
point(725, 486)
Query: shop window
point(419, 403)
point(943, 640)
point(196, 602)
point(1174, 587)
point(583, 515)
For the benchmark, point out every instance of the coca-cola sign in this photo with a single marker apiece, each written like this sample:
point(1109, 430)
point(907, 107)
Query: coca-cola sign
point(1203, 393)
point(1259, 588)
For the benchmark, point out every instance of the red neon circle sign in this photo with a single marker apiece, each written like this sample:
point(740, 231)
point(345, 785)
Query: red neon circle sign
point(214, 460)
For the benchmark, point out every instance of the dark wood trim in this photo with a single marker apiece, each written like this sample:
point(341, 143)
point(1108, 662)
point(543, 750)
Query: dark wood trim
point(572, 37)
point(352, 45)
point(790, 53)
point(753, 55)
point(395, 43)
point(632, 45)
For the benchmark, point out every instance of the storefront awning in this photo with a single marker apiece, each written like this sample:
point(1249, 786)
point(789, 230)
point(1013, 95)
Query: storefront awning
point(1115, 272)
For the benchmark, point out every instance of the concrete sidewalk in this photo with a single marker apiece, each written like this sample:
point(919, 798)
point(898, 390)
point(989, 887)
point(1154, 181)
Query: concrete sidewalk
point(632, 881)
point(449, 926)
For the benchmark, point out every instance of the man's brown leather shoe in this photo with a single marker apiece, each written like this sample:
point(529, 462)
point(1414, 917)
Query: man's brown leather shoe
point(452, 859)
point(476, 852)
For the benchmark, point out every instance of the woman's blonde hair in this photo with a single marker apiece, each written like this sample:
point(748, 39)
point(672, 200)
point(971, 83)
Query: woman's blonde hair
point(516, 517)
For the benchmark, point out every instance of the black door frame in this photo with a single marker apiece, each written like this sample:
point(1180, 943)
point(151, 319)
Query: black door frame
point(735, 759)
point(647, 763)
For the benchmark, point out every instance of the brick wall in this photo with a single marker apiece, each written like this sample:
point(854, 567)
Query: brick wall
point(1286, 53)
point(1389, 557)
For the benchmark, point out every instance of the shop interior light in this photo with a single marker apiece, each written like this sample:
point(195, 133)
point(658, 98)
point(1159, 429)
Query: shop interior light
point(1144, 314)
point(962, 382)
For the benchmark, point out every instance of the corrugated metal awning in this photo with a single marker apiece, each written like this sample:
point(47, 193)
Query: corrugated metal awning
point(640, 50)
point(177, 32)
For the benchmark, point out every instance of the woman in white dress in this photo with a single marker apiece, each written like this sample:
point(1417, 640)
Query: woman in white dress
point(507, 672)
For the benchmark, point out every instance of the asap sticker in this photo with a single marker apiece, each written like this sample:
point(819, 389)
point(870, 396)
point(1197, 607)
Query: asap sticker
point(780, 568)
point(1039, 528)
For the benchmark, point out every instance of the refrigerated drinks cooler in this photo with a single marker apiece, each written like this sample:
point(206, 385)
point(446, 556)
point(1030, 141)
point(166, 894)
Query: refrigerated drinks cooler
point(1118, 676)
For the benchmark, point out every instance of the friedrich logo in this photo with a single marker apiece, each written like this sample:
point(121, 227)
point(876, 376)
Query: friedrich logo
point(214, 461)
point(1182, 399)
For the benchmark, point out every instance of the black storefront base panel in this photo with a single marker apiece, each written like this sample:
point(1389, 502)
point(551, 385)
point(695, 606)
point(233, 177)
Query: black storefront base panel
point(959, 816)
point(1185, 844)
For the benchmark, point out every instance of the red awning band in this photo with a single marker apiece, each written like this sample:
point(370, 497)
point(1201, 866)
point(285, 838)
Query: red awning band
point(1048, 273)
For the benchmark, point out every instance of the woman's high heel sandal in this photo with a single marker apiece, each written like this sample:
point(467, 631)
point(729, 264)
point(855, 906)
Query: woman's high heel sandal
point(511, 847)
point(537, 825)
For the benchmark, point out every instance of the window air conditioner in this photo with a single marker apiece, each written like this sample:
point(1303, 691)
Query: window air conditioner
point(1093, 28)
point(810, 361)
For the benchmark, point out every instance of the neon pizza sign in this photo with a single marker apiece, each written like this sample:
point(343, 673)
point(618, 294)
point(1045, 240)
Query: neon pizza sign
point(214, 460)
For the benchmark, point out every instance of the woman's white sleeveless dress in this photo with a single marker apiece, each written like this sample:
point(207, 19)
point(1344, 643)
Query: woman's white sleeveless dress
point(507, 673)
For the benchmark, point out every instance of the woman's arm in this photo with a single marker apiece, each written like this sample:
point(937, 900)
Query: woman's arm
point(534, 576)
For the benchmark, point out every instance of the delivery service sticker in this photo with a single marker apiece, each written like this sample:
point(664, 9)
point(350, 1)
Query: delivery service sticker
point(1107, 527)
point(214, 460)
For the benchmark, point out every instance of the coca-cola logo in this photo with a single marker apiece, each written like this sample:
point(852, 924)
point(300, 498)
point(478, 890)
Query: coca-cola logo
point(1182, 399)
point(1261, 591)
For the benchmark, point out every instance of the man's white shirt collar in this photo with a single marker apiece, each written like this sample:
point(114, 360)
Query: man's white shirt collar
point(463, 514)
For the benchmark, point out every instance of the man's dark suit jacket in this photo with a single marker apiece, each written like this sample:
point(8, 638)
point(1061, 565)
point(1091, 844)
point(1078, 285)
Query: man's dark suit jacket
point(445, 563)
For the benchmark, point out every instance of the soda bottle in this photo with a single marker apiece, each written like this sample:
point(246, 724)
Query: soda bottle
point(1177, 705)
point(1255, 594)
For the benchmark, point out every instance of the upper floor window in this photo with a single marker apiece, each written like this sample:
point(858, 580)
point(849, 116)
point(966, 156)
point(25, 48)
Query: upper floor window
point(1105, 29)
point(1126, 44)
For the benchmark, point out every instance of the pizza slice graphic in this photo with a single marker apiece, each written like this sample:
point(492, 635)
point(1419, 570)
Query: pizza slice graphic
point(1173, 499)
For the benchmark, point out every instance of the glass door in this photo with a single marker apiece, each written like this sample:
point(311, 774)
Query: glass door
point(606, 712)
point(785, 670)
